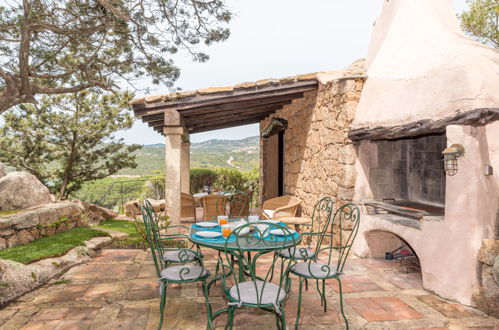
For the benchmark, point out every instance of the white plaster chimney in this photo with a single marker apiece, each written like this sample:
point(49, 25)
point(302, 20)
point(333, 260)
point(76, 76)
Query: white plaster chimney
point(421, 66)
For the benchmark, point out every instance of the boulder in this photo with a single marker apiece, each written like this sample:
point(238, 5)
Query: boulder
point(132, 208)
point(95, 212)
point(490, 289)
point(488, 251)
point(3, 172)
point(20, 190)
point(157, 204)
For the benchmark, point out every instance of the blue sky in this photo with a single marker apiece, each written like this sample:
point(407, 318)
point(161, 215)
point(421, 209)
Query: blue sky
point(272, 39)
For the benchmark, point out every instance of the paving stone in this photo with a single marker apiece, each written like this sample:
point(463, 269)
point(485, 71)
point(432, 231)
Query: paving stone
point(116, 256)
point(70, 293)
point(119, 290)
point(383, 309)
point(132, 318)
point(102, 291)
point(47, 314)
point(449, 310)
point(354, 283)
point(144, 289)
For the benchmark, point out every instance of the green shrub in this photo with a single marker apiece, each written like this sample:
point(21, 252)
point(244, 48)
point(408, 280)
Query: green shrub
point(201, 177)
point(230, 179)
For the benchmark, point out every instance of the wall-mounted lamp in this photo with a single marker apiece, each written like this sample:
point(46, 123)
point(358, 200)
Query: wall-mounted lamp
point(450, 158)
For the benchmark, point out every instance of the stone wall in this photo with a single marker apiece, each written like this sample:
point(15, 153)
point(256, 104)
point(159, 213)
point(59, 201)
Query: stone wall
point(319, 159)
point(43, 220)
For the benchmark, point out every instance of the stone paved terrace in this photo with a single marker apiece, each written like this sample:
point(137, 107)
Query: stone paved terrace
point(118, 290)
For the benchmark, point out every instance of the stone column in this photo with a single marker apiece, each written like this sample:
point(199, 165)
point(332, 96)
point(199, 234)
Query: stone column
point(185, 167)
point(173, 172)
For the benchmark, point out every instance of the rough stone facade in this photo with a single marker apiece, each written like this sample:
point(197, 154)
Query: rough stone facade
point(33, 223)
point(319, 159)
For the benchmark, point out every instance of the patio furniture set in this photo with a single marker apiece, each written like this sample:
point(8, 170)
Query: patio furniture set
point(318, 253)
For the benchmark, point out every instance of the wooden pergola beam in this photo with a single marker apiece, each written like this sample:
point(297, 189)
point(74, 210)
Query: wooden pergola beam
point(242, 112)
point(147, 109)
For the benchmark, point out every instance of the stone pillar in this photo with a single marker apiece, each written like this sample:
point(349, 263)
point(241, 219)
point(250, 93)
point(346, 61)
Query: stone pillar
point(173, 172)
point(185, 167)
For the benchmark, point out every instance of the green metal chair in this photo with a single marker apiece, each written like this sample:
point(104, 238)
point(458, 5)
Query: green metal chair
point(321, 216)
point(182, 272)
point(175, 244)
point(248, 288)
point(332, 239)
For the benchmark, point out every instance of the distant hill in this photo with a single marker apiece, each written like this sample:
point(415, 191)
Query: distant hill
point(243, 154)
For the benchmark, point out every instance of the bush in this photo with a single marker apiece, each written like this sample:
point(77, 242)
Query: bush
point(201, 177)
point(230, 179)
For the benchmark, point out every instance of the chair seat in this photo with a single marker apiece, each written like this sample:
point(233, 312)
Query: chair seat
point(298, 253)
point(315, 270)
point(180, 255)
point(184, 273)
point(248, 293)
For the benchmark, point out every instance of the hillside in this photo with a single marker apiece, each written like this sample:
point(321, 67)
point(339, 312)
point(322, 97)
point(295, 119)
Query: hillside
point(209, 154)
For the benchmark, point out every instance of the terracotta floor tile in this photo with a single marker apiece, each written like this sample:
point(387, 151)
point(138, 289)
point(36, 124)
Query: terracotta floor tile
point(81, 313)
point(118, 296)
point(54, 313)
point(116, 256)
point(354, 283)
point(132, 318)
point(70, 293)
point(383, 309)
point(449, 310)
point(102, 291)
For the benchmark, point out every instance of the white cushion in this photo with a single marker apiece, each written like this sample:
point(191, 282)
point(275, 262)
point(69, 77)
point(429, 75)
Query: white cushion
point(181, 255)
point(183, 273)
point(316, 270)
point(248, 293)
point(299, 253)
point(269, 213)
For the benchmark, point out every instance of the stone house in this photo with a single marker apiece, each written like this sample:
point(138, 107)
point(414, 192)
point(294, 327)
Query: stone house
point(374, 134)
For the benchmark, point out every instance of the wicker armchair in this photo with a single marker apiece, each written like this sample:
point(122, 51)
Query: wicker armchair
point(283, 206)
point(187, 207)
point(210, 211)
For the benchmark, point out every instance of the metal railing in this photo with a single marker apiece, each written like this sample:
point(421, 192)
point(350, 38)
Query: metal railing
point(121, 192)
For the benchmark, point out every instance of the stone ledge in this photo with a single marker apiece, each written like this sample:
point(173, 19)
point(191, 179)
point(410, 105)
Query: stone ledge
point(21, 279)
point(35, 222)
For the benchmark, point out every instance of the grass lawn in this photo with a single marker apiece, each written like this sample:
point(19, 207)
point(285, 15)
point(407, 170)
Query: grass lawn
point(50, 246)
point(134, 239)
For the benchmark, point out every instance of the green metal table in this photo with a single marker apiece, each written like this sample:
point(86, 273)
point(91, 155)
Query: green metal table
point(253, 244)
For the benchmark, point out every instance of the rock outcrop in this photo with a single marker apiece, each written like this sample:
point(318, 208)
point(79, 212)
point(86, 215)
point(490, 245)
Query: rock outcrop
point(95, 212)
point(486, 297)
point(133, 207)
point(20, 190)
point(3, 172)
point(42, 220)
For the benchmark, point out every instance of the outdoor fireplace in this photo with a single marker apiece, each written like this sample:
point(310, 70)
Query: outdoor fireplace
point(408, 179)
point(413, 106)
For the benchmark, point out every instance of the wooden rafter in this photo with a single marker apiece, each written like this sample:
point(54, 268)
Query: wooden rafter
point(217, 108)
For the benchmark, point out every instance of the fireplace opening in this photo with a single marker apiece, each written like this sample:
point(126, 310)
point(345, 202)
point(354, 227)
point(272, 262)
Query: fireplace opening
point(394, 251)
point(408, 179)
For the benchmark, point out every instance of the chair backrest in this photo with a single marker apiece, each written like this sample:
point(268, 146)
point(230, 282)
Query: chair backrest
point(159, 242)
point(188, 206)
point(277, 202)
point(258, 242)
point(339, 234)
point(237, 204)
point(212, 207)
point(321, 217)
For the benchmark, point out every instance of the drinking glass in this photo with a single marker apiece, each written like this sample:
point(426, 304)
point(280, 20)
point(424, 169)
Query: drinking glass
point(222, 219)
point(226, 230)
